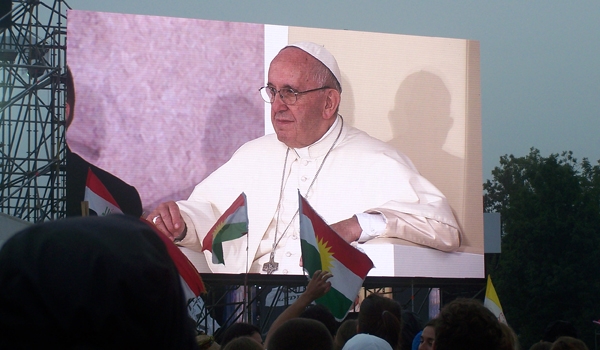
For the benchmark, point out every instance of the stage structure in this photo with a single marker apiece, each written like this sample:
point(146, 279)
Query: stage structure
point(32, 140)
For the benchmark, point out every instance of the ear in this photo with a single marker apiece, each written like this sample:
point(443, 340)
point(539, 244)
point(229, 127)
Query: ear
point(332, 102)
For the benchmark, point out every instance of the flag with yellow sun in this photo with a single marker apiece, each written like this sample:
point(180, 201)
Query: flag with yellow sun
point(324, 249)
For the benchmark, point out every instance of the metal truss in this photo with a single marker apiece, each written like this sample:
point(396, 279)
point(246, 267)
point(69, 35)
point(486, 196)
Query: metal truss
point(259, 299)
point(32, 136)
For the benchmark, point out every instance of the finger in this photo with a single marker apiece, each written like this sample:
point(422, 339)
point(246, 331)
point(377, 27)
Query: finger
point(158, 221)
point(327, 275)
point(171, 218)
point(175, 214)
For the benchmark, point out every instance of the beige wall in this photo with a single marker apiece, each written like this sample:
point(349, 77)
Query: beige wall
point(422, 95)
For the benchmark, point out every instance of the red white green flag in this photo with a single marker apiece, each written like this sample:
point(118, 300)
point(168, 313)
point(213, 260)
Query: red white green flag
point(231, 225)
point(190, 278)
point(323, 249)
point(99, 198)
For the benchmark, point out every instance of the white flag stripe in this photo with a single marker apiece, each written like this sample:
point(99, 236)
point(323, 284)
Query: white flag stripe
point(99, 204)
point(187, 291)
point(344, 280)
point(493, 307)
point(307, 231)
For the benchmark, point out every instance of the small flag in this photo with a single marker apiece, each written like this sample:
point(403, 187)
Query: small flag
point(231, 225)
point(98, 197)
point(323, 249)
point(492, 302)
point(190, 278)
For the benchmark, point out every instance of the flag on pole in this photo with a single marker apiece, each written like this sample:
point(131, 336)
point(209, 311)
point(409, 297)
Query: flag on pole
point(231, 225)
point(492, 302)
point(99, 198)
point(323, 249)
point(190, 278)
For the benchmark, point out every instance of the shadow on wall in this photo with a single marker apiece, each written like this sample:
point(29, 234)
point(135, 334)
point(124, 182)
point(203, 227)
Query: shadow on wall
point(420, 124)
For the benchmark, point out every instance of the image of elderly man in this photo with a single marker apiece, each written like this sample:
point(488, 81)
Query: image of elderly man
point(362, 186)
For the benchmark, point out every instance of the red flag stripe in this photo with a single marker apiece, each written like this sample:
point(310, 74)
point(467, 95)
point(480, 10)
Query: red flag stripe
point(342, 250)
point(96, 186)
point(185, 267)
point(207, 242)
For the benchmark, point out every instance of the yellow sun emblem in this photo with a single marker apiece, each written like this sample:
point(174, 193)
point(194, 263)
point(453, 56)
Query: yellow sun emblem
point(218, 228)
point(325, 253)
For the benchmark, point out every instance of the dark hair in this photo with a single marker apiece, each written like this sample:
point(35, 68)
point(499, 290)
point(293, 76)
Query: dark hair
point(69, 95)
point(345, 331)
point(510, 341)
point(93, 282)
point(242, 343)
point(236, 330)
point(301, 334)
point(323, 315)
point(467, 324)
point(558, 329)
point(411, 325)
point(568, 343)
point(541, 345)
point(381, 317)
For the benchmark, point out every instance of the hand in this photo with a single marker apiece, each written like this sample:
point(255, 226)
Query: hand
point(167, 219)
point(318, 285)
point(348, 229)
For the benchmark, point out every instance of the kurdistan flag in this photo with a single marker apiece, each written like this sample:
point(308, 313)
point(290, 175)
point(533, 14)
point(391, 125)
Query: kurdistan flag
point(324, 249)
point(492, 302)
point(231, 225)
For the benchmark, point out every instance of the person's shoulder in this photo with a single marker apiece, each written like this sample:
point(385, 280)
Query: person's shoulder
point(256, 149)
point(362, 139)
point(359, 144)
point(259, 143)
point(359, 140)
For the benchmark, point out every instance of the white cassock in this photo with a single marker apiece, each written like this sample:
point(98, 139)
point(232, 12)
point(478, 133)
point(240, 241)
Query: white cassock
point(360, 174)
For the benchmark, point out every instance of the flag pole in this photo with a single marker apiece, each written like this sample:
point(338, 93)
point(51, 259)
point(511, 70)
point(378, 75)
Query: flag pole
point(85, 208)
point(246, 308)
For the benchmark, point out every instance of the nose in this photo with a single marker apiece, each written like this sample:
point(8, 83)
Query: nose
point(278, 104)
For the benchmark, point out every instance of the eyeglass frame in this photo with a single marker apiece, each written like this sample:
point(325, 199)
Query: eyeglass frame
point(296, 93)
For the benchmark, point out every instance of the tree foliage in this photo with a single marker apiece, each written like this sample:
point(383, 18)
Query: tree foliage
point(549, 268)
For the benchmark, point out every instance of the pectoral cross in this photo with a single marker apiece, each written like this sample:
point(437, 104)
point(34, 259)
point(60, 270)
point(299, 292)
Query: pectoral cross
point(270, 266)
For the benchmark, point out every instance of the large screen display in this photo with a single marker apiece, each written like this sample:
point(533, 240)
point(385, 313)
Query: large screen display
point(163, 102)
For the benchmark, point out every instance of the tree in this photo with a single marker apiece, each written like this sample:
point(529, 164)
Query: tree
point(549, 268)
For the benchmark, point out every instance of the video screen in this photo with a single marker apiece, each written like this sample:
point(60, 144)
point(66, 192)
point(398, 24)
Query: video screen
point(161, 103)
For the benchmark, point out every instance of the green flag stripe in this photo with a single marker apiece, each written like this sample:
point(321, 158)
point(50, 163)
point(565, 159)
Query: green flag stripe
point(311, 259)
point(336, 302)
point(230, 232)
point(227, 233)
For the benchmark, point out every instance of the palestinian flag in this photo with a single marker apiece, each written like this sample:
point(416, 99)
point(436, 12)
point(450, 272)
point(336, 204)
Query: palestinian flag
point(231, 225)
point(323, 249)
point(98, 197)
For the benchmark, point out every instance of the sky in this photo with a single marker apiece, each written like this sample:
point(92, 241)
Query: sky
point(540, 60)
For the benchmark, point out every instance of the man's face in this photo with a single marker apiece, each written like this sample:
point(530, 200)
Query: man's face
point(303, 123)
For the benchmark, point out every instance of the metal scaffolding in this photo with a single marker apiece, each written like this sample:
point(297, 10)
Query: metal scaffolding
point(32, 139)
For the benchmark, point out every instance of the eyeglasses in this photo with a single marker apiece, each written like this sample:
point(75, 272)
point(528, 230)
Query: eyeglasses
point(289, 96)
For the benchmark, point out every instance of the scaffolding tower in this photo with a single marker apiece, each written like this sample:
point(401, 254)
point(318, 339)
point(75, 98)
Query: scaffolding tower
point(32, 121)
